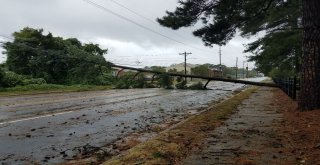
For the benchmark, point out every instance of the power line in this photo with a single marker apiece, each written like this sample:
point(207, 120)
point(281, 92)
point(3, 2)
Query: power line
point(153, 54)
point(153, 22)
point(127, 19)
point(142, 16)
point(120, 16)
point(138, 24)
point(134, 12)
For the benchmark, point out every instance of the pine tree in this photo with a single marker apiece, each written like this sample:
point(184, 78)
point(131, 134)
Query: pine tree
point(310, 69)
point(279, 49)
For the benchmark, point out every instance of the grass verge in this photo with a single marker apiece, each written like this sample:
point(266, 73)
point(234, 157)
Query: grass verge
point(170, 146)
point(49, 88)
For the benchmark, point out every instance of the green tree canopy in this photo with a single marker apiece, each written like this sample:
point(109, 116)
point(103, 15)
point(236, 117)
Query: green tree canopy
point(200, 70)
point(57, 60)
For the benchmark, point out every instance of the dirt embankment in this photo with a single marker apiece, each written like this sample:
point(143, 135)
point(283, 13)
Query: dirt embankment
point(300, 132)
point(267, 129)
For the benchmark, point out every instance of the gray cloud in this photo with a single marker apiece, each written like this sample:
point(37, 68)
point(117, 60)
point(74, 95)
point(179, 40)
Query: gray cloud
point(76, 18)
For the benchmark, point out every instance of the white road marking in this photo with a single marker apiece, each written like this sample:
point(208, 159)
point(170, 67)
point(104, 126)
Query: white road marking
point(37, 117)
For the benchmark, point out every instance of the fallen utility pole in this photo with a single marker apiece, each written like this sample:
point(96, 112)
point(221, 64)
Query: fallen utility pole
point(200, 77)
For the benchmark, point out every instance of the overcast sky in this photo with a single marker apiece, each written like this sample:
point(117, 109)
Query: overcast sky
point(128, 43)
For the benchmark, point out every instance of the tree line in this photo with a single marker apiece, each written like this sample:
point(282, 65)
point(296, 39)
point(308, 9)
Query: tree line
point(35, 56)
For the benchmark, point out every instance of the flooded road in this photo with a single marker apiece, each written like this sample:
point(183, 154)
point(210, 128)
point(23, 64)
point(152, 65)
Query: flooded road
point(50, 128)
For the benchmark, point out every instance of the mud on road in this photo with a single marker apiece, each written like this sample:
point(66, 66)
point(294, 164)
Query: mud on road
point(55, 128)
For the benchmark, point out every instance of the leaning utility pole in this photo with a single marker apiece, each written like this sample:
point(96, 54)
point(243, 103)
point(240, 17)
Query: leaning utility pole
point(185, 63)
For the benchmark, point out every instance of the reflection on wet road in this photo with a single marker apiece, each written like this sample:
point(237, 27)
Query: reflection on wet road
point(46, 128)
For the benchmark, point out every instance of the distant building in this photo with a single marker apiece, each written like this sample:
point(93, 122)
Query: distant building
point(214, 72)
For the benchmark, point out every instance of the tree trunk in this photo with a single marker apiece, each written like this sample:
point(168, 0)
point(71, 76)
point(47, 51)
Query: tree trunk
point(309, 98)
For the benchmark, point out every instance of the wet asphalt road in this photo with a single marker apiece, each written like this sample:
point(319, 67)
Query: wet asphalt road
point(49, 128)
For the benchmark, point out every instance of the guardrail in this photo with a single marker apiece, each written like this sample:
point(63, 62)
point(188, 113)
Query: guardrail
point(290, 86)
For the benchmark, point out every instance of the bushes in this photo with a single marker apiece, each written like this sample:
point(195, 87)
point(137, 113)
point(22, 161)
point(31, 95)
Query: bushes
point(127, 81)
point(181, 85)
point(1, 78)
point(35, 87)
point(197, 86)
point(38, 81)
point(11, 79)
point(49, 88)
point(57, 60)
point(165, 81)
point(139, 82)
point(124, 83)
point(104, 79)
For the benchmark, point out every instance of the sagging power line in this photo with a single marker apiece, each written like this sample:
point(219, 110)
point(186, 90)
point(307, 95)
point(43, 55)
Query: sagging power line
point(142, 16)
point(103, 8)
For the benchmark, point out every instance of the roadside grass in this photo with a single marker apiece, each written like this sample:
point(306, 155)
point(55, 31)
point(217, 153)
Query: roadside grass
point(49, 88)
point(170, 146)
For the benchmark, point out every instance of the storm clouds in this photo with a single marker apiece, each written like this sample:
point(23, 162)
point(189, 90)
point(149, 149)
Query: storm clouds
point(128, 43)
